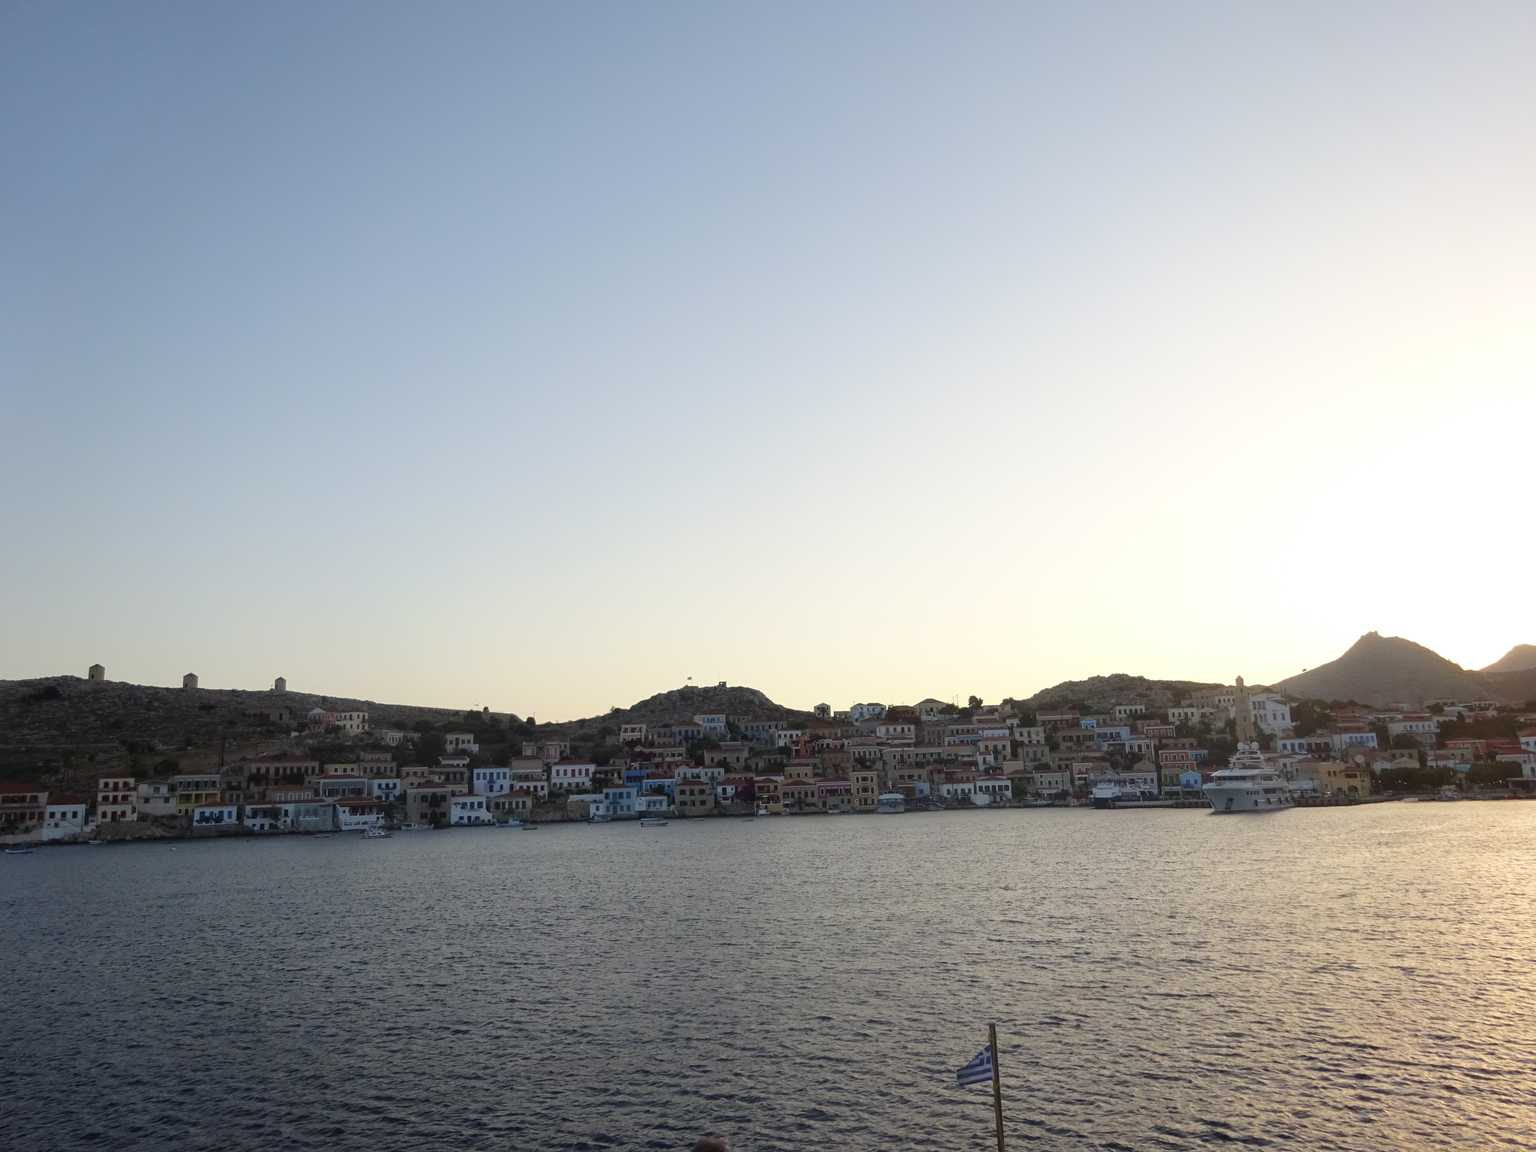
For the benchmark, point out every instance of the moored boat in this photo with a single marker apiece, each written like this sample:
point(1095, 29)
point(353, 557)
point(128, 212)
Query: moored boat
point(891, 803)
point(1247, 783)
point(653, 821)
point(1105, 794)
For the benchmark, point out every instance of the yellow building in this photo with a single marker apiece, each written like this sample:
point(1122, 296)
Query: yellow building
point(770, 794)
point(800, 796)
point(193, 791)
point(695, 798)
point(1333, 778)
point(800, 770)
point(865, 790)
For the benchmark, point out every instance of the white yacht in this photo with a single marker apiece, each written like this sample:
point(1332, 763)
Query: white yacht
point(1247, 784)
point(1105, 793)
point(891, 802)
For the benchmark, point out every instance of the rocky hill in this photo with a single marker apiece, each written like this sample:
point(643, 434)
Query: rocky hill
point(1100, 693)
point(685, 703)
point(1515, 687)
point(1387, 669)
point(1520, 658)
point(65, 725)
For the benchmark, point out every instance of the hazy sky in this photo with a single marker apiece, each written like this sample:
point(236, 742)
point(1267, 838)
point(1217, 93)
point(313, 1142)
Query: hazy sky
point(543, 356)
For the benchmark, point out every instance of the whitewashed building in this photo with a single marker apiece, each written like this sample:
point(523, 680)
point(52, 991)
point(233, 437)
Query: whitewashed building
point(467, 810)
point(571, 775)
point(384, 788)
point(714, 725)
point(359, 815)
point(1422, 727)
point(215, 816)
point(1271, 713)
point(490, 781)
point(155, 798)
point(116, 800)
point(531, 780)
point(64, 819)
point(1342, 743)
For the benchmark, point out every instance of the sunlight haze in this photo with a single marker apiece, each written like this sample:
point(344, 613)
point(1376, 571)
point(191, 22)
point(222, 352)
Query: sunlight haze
point(542, 357)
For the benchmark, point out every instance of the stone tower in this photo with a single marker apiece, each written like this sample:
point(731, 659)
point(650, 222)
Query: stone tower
point(280, 684)
point(189, 680)
point(97, 672)
point(1242, 713)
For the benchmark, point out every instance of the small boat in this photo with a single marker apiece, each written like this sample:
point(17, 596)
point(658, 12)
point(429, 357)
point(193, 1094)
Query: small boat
point(762, 811)
point(891, 803)
point(529, 827)
point(653, 821)
point(512, 824)
point(413, 828)
point(95, 843)
point(375, 833)
point(20, 851)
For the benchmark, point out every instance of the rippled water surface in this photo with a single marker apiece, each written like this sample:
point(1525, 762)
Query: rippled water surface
point(1328, 978)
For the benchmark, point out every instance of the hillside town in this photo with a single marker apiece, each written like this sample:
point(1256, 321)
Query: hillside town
point(336, 772)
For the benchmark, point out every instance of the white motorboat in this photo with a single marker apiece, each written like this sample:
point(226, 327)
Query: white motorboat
point(653, 821)
point(1247, 784)
point(762, 811)
point(890, 803)
point(23, 851)
point(511, 824)
point(375, 833)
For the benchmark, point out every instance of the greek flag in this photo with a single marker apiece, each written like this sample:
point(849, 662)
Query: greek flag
point(978, 1071)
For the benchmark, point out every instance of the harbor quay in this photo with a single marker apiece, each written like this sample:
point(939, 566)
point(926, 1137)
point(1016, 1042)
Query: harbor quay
point(1227, 749)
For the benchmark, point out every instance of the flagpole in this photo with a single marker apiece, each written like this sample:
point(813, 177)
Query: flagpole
point(997, 1085)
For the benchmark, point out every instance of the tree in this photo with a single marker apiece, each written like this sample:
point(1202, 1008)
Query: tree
point(1309, 716)
point(1493, 772)
point(973, 702)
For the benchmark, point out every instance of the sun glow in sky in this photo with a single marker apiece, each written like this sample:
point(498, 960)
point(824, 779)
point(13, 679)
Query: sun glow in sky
point(542, 356)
